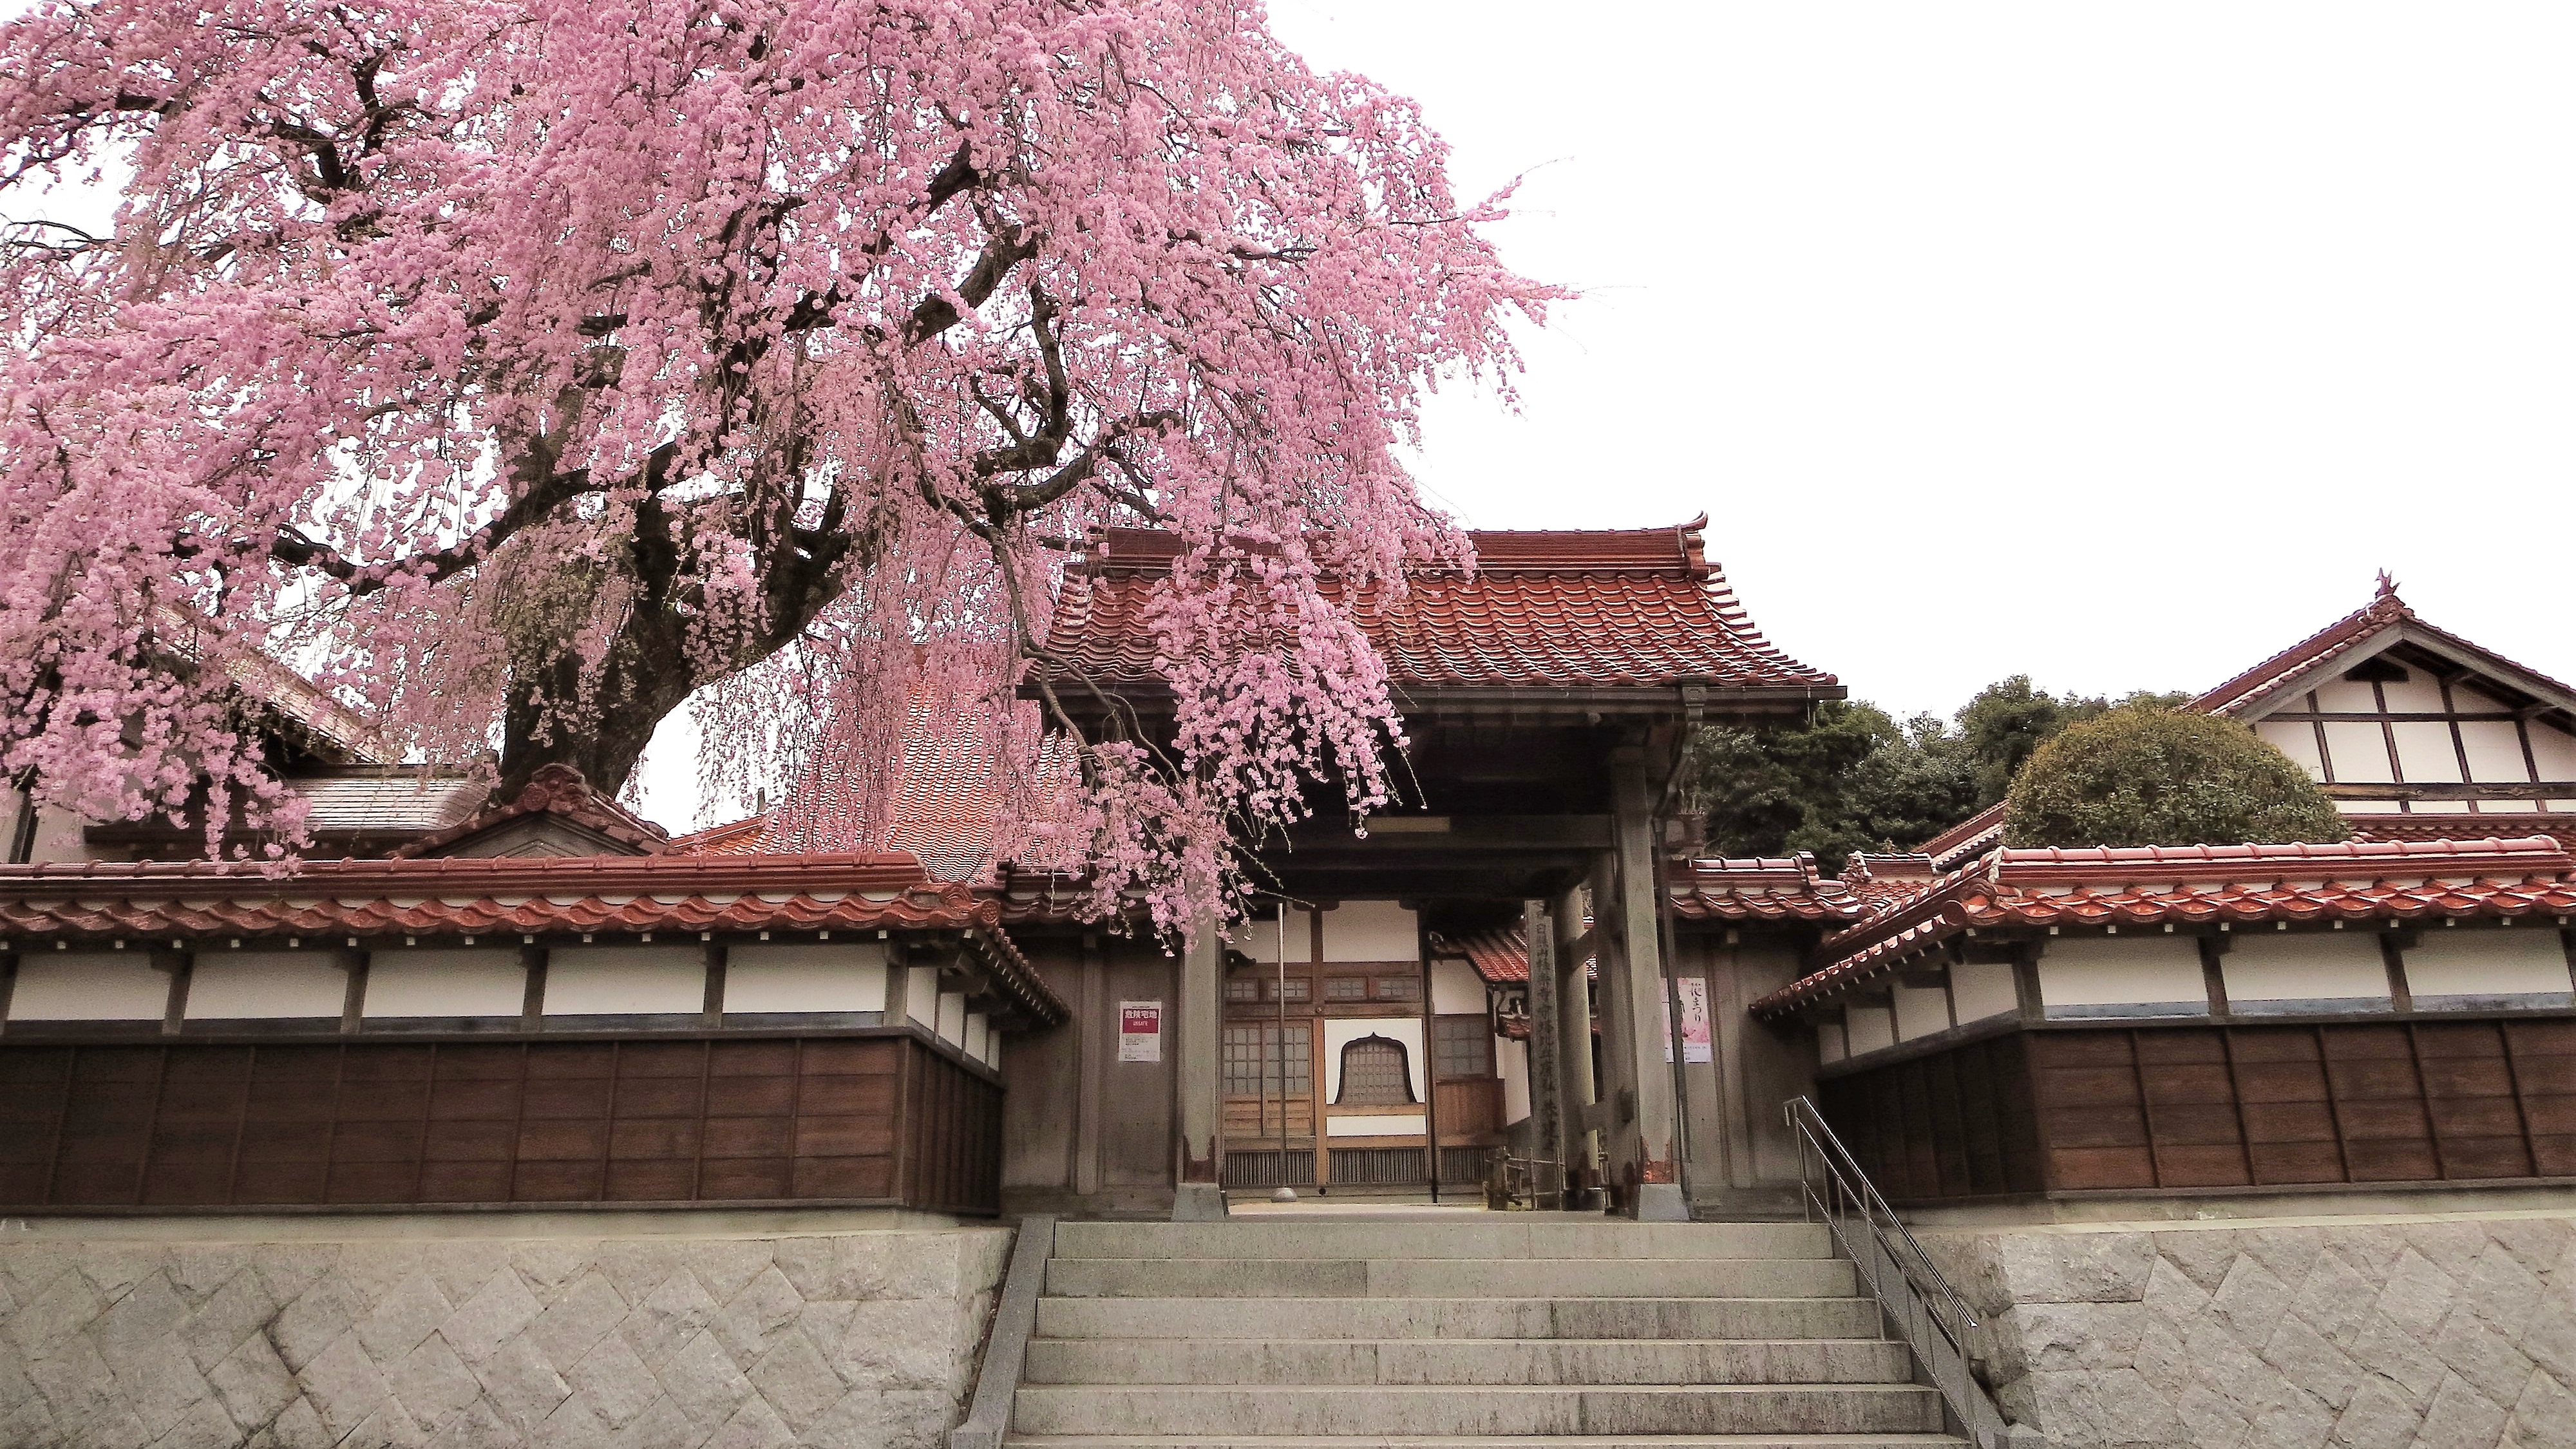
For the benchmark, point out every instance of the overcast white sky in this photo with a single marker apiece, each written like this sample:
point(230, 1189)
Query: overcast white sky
point(2118, 345)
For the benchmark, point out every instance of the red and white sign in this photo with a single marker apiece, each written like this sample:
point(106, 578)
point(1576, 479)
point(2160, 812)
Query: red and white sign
point(1140, 1031)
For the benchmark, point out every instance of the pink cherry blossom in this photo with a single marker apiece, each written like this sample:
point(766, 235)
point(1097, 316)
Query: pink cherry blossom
point(522, 368)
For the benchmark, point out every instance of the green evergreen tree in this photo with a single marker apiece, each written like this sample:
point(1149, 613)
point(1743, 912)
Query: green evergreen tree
point(1849, 778)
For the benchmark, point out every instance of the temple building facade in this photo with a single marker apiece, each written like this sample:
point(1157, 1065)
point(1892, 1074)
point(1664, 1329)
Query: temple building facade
point(546, 1000)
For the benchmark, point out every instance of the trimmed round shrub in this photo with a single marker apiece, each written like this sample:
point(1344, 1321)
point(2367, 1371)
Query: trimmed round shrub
point(2165, 777)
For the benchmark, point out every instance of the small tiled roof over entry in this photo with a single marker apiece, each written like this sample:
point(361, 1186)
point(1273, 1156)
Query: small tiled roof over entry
point(1615, 608)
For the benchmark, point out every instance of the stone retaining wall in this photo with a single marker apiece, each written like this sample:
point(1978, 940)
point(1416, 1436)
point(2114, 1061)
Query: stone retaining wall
point(2380, 1333)
point(857, 1340)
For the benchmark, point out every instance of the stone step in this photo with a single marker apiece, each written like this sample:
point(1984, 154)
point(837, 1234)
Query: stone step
point(1450, 1278)
point(1552, 1441)
point(1132, 1410)
point(1464, 1361)
point(1513, 1235)
point(1385, 1318)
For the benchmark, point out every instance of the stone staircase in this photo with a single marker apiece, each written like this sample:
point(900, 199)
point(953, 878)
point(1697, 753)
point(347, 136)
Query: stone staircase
point(1515, 1331)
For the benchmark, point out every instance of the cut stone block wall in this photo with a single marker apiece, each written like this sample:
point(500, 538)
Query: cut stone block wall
point(858, 1340)
point(2379, 1333)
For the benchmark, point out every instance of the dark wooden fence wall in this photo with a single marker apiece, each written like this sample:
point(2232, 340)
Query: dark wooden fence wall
point(2195, 1106)
point(882, 1119)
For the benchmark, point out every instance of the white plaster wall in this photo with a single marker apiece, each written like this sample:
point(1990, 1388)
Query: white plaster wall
point(1867, 1027)
point(979, 1037)
point(2554, 750)
point(2494, 748)
point(2417, 693)
point(952, 1018)
point(1981, 989)
point(1511, 1058)
point(444, 981)
point(89, 986)
point(2425, 752)
point(2296, 739)
point(921, 997)
point(2441, 807)
point(2358, 749)
point(2082, 971)
point(1406, 1030)
point(805, 976)
point(621, 980)
point(2368, 807)
point(1921, 1011)
point(1370, 931)
point(1264, 942)
point(2508, 807)
point(1831, 1045)
point(228, 985)
point(1378, 1124)
point(2511, 961)
point(2308, 966)
point(2347, 696)
point(1456, 989)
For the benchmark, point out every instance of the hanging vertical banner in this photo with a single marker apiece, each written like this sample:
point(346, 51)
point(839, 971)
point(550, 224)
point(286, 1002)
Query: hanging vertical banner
point(1140, 1031)
point(1696, 1048)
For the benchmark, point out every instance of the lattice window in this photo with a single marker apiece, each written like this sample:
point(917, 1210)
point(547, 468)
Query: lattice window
point(1462, 1046)
point(1296, 988)
point(1243, 988)
point(1398, 988)
point(1346, 988)
point(1253, 1065)
point(1374, 1074)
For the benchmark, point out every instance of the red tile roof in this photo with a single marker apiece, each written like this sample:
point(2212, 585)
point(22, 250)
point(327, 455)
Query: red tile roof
point(1500, 956)
point(947, 807)
point(557, 790)
point(2197, 885)
point(2384, 610)
point(1760, 889)
point(738, 837)
point(2447, 827)
point(1624, 608)
point(508, 895)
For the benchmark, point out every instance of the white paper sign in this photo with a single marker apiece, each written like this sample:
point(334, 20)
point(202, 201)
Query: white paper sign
point(1140, 1031)
point(1696, 1048)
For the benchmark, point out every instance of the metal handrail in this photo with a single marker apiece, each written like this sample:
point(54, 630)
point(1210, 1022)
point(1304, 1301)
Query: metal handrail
point(1911, 1290)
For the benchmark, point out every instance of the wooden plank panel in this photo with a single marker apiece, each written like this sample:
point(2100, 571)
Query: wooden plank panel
point(388, 1122)
point(2092, 1168)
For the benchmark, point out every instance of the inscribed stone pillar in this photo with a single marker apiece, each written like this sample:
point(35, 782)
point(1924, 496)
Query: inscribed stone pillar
point(1546, 1070)
point(1641, 1120)
point(1579, 1119)
point(1196, 1196)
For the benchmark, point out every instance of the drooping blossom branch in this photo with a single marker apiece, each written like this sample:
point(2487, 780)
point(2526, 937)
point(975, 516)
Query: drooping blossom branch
point(523, 368)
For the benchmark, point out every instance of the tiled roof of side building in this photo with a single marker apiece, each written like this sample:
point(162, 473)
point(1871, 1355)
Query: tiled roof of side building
point(1758, 889)
point(2196, 885)
point(560, 791)
point(505, 896)
point(1500, 955)
point(1624, 608)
